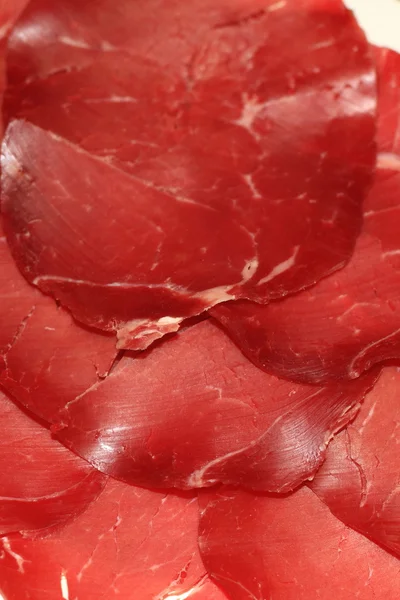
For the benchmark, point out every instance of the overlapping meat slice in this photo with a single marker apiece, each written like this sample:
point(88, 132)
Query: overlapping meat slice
point(45, 357)
point(9, 13)
point(195, 411)
point(350, 320)
point(42, 483)
point(181, 139)
point(289, 548)
point(360, 480)
point(129, 543)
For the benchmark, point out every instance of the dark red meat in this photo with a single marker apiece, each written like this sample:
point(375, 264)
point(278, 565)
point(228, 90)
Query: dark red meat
point(9, 13)
point(291, 548)
point(195, 411)
point(360, 480)
point(42, 483)
point(130, 543)
point(351, 320)
point(181, 139)
point(46, 359)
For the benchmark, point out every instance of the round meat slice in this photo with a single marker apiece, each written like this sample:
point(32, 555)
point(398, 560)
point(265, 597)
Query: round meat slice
point(292, 548)
point(130, 543)
point(360, 479)
point(157, 153)
point(9, 13)
point(42, 483)
point(350, 320)
point(53, 358)
point(194, 411)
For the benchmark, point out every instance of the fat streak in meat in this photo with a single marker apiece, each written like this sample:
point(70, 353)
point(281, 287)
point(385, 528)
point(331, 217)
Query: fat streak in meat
point(42, 484)
point(156, 153)
point(360, 479)
point(289, 548)
point(350, 320)
point(130, 543)
point(46, 358)
point(194, 411)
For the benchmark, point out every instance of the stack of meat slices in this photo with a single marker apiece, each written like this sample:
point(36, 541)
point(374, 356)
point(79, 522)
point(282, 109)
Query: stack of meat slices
point(199, 309)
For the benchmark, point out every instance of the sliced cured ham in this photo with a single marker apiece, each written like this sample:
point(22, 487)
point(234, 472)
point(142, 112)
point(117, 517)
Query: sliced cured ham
point(360, 479)
point(292, 548)
point(130, 543)
point(45, 357)
point(350, 320)
point(179, 148)
point(194, 411)
point(42, 483)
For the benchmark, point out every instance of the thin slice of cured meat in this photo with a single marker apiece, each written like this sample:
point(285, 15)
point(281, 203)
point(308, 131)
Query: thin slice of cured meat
point(130, 543)
point(10, 10)
point(42, 483)
point(180, 139)
point(54, 358)
point(194, 411)
point(360, 480)
point(292, 548)
point(350, 320)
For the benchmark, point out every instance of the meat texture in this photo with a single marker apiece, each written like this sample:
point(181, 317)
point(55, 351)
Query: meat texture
point(42, 483)
point(292, 548)
point(45, 357)
point(10, 10)
point(9, 13)
point(130, 543)
point(181, 138)
point(350, 320)
point(360, 480)
point(195, 411)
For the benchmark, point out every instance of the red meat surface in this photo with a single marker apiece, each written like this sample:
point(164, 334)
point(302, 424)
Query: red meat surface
point(290, 548)
point(158, 153)
point(42, 483)
point(130, 543)
point(350, 320)
point(45, 357)
point(360, 479)
point(194, 411)
point(9, 13)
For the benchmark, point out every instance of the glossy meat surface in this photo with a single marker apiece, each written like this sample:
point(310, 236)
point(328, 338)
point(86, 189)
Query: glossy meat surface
point(46, 358)
point(291, 548)
point(195, 411)
point(130, 543)
point(42, 483)
point(360, 479)
point(180, 141)
point(350, 320)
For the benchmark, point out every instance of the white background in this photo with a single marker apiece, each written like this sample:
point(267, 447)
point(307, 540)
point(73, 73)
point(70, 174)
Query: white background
point(380, 20)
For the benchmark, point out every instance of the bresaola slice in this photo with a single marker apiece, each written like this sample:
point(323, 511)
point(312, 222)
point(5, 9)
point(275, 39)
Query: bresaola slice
point(129, 543)
point(290, 548)
point(9, 13)
point(42, 483)
point(189, 413)
point(45, 356)
point(178, 150)
point(194, 411)
point(350, 320)
point(360, 479)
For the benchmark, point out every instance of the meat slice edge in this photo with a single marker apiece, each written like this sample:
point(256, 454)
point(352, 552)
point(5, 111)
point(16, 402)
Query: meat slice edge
point(359, 480)
point(226, 206)
point(351, 320)
point(193, 412)
point(43, 484)
point(130, 539)
point(289, 548)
